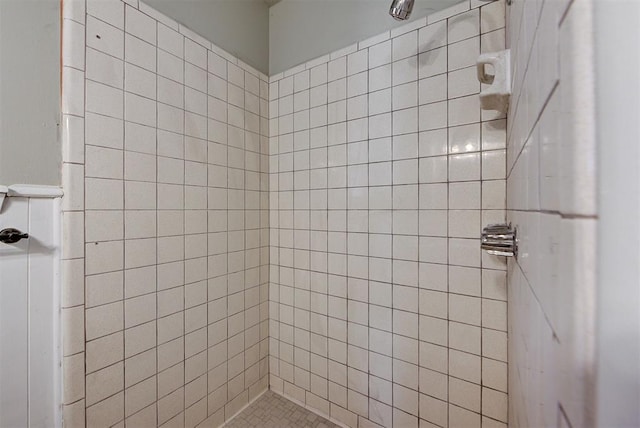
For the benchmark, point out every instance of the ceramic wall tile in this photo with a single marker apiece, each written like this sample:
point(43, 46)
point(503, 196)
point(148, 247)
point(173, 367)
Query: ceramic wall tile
point(139, 194)
point(541, 165)
point(398, 198)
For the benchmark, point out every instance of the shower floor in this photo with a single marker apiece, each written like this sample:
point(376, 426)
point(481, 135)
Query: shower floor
point(273, 411)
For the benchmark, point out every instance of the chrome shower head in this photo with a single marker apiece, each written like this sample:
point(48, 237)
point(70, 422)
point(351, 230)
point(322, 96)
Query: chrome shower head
point(401, 9)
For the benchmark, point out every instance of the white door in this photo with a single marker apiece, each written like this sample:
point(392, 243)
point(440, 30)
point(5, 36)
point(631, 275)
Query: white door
point(29, 362)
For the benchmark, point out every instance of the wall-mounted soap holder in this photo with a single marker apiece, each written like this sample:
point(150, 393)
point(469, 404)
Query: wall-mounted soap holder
point(496, 96)
point(500, 240)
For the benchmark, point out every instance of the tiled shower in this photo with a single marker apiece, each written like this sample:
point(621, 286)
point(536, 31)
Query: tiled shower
point(383, 169)
point(314, 232)
point(166, 215)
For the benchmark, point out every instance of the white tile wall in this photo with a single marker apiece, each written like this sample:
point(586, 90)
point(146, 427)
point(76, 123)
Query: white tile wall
point(551, 200)
point(166, 221)
point(383, 311)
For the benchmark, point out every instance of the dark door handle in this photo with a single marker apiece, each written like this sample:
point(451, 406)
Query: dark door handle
point(11, 236)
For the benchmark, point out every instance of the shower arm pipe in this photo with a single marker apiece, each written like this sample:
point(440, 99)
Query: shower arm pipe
point(400, 10)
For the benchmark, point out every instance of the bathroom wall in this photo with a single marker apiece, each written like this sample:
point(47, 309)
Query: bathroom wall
point(29, 92)
point(383, 169)
point(240, 27)
point(551, 198)
point(29, 308)
point(301, 30)
point(165, 222)
point(618, 100)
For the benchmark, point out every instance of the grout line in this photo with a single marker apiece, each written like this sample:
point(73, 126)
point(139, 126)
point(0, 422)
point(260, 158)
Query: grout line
point(184, 273)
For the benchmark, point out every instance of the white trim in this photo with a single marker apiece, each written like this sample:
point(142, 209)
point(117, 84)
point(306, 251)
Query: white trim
point(33, 191)
point(43, 276)
point(57, 310)
point(30, 276)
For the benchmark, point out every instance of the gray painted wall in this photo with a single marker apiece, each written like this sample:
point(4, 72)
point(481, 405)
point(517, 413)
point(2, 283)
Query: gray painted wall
point(618, 299)
point(29, 92)
point(300, 30)
point(241, 27)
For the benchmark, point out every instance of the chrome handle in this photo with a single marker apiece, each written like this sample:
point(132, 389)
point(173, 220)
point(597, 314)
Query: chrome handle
point(499, 240)
point(11, 236)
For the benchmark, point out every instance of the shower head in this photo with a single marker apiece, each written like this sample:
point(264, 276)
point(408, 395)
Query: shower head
point(401, 9)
